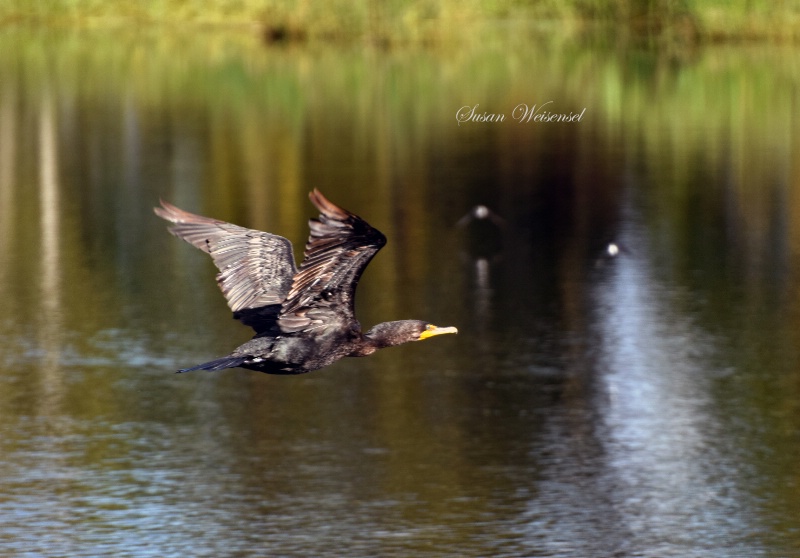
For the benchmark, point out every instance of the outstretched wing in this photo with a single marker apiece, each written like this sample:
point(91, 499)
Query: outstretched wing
point(255, 268)
point(323, 290)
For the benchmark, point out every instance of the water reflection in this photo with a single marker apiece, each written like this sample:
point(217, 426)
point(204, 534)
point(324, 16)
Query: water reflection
point(645, 406)
point(50, 262)
point(666, 453)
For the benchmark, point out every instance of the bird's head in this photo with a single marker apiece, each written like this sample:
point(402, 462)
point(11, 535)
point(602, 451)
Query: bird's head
point(389, 334)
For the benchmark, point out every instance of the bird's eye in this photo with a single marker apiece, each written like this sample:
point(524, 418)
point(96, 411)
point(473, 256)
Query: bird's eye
point(429, 327)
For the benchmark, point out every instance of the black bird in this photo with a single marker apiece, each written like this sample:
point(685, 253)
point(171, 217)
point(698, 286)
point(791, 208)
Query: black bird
point(304, 318)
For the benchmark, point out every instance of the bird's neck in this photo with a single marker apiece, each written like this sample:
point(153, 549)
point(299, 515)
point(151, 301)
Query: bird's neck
point(365, 348)
point(378, 337)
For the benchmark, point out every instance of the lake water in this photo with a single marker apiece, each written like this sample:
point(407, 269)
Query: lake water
point(646, 404)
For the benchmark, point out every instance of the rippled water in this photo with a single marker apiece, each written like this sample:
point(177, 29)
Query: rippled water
point(638, 405)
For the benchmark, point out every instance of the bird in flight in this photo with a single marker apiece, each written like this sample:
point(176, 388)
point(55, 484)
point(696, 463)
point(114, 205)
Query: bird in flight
point(304, 318)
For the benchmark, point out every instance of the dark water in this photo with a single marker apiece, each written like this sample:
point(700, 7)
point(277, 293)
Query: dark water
point(646, 404)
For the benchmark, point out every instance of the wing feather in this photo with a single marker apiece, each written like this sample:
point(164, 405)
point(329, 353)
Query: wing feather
point(255, 268)
point(340, 246)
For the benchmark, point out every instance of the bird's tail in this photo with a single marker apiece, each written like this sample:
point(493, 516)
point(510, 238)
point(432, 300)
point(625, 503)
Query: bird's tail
point(217, 364)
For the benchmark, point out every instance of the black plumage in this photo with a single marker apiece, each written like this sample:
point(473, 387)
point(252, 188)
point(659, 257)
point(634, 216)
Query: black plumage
point(304, 318)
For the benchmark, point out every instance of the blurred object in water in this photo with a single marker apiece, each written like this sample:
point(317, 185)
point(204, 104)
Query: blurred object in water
point(484, 229)
point(612, 251)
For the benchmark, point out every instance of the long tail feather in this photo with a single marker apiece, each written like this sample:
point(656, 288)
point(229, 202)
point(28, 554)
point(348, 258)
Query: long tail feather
point(217, 364)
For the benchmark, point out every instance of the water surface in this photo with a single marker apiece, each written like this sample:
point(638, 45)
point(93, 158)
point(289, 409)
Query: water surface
point(642, 405)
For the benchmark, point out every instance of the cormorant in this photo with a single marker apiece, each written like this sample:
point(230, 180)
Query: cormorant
point(304, 318)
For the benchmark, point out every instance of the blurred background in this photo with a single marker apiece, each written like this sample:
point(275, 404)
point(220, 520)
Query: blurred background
point(638, 403)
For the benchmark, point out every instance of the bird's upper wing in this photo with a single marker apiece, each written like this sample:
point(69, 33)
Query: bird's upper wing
point(340, 246)
point(255, 268)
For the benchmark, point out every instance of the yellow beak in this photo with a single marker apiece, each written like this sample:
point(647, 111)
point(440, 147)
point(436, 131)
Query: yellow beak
point(434, 330)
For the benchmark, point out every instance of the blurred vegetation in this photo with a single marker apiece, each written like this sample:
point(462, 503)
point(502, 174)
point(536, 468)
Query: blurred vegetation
point(426, 21)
